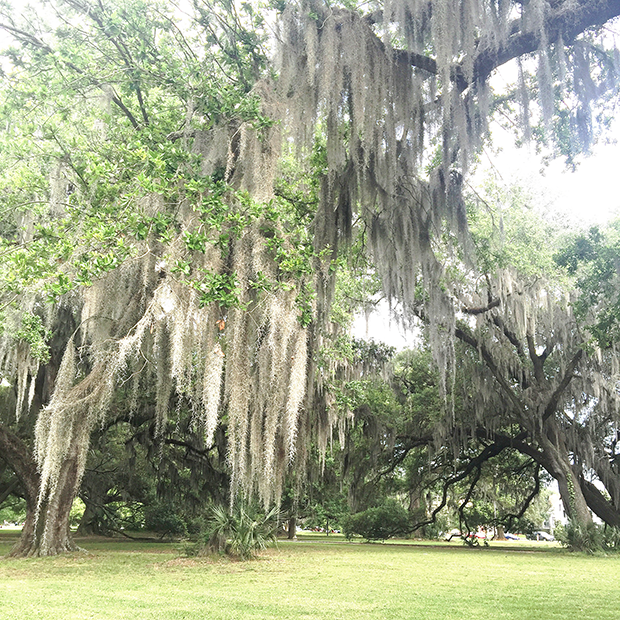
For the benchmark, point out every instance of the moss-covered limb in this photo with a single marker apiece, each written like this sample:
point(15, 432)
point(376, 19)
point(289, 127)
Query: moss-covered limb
point(466, 336)
point(560, 24)
point(563, 384)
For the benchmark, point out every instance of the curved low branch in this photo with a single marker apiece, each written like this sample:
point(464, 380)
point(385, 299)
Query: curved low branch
point(597, 502)
point(15, 453)
point(488, 453)
point(511, 518)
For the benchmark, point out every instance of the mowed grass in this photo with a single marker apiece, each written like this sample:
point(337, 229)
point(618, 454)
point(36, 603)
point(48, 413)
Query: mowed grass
point(314, 580)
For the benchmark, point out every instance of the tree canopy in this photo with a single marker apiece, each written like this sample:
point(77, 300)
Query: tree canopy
point(182, 185)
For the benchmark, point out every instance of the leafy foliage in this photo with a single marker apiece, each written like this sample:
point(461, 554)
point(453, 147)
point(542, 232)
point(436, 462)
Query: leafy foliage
point(163, 518)
point(592, 257)
point(35, 334)
point(579, 537)
point(243, 531)
point(591, 538)
point(379, 523)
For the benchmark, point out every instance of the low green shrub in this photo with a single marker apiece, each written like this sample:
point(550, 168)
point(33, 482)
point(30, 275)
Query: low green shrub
point(379, 523)
point(578, 537)
point(590, 538)
point(611, 538)
point(162, 518)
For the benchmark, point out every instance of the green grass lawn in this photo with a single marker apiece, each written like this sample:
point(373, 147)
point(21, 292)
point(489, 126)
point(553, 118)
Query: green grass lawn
point(312, 579)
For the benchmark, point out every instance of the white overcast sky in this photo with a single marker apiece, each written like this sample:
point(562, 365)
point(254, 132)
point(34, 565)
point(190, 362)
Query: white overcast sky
point(589, 195)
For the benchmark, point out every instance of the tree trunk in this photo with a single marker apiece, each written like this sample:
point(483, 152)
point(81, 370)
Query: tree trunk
point(16, 454)
point(95, 493)
point(91, 521)
point(574, 502)
point(292, 528)
point(52, 534)
point(558, 465)
point(48, 532)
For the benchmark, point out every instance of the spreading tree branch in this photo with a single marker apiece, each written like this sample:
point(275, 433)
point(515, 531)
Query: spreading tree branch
point(100, 20)
point(474, 463)
point(464, 335)
point(569, 373)
point(28, 39)
point(509, 519)
point(494, 303)
point(566, 20)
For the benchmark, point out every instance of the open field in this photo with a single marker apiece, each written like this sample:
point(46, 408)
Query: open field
point(312, 579)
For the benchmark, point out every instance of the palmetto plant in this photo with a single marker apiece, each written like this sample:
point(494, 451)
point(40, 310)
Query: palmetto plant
point(243, 531)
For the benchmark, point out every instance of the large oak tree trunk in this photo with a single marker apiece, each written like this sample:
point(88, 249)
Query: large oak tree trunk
point(557, 463)
point(16, 454)
point(45, 533)
point(574, 502)
point(91, 522)
point(52, 532)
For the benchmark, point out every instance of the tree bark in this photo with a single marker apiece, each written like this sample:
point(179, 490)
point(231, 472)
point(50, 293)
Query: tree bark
point(292, 528)
point(45, 533)
point(553, 455)
point(602, 507)
point(16, 454)
point(91, 522)
point(52, 534)
point(557, 463)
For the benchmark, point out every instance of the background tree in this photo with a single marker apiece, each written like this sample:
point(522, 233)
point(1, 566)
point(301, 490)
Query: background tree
point(136, 475)
point(533, 380)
